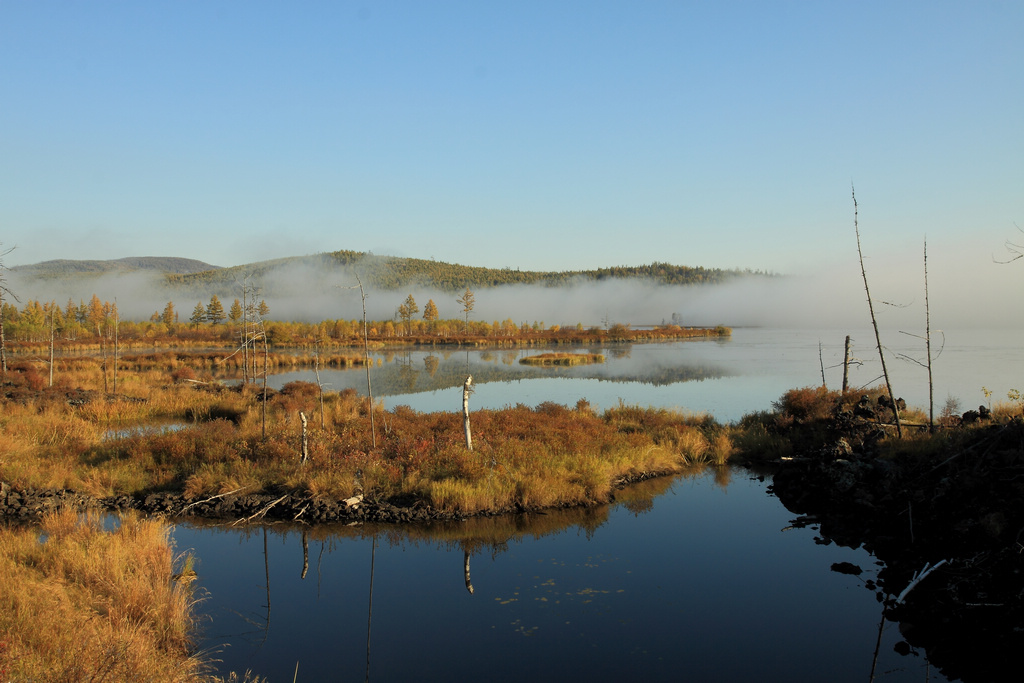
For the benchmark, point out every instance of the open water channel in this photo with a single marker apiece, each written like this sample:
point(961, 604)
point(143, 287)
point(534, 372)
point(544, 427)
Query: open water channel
point(694, 578)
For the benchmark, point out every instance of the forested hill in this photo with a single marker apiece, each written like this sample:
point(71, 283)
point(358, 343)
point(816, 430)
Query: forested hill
point(65, 268)
point(380, 272)
point(388, 272)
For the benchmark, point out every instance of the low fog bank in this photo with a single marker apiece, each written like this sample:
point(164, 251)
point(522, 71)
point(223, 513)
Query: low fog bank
point(968, 289)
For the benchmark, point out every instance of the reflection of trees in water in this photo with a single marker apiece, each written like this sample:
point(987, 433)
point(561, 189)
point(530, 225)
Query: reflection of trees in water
point(430, 364)
point(403, 378)
point(481, 536)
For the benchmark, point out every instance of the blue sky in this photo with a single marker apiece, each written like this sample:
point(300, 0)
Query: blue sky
point(533, 135)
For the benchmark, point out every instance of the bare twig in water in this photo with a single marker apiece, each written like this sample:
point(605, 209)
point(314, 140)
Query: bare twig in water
point(207, 500)
point(260, 513)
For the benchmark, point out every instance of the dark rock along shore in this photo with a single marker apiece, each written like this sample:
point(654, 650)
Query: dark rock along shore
point(963, 511)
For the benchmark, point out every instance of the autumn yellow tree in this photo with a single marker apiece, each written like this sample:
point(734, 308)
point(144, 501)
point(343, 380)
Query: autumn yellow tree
point(168, 316)
point(406, 311)
point(430, 315)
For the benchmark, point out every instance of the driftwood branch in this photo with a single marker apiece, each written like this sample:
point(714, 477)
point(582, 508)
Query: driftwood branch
point(260, 513)
point(918, 578)
point(207, 500)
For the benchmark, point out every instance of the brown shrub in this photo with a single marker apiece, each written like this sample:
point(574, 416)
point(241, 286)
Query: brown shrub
point(807, 404)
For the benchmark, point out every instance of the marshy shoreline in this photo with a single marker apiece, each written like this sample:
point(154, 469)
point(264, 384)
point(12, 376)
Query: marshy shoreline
point(942, 511)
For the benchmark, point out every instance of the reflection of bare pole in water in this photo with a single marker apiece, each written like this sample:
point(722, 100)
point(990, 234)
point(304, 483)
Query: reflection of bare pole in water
point(469, 584)
point(305, 555)
point(318, 574)
point(266, 568)
point(878, 645)
point(369, 614)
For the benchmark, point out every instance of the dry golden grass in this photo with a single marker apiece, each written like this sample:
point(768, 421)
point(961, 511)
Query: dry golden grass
point(82, 604)
point(548, 456)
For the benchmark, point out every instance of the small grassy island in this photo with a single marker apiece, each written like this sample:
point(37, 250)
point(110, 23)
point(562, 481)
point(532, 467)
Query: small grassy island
point(563, 359)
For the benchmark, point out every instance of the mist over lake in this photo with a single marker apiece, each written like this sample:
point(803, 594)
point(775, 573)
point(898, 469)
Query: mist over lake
point(726, 378)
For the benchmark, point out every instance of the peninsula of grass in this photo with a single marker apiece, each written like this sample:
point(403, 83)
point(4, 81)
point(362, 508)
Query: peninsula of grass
point(563, 359)
point(227, 438)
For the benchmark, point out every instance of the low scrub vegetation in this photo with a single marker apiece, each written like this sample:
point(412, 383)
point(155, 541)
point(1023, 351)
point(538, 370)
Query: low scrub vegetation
point(83, 440)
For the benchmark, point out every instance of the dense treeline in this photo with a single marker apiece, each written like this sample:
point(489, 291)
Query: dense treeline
point(386, 272)
point(98, 321)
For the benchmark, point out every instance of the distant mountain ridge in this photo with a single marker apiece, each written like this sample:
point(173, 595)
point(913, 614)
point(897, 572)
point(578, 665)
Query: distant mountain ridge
point(60, 268)
point(382, 272)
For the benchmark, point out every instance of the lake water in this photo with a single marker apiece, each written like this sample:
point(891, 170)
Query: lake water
point(727, 378)
point(693, 578)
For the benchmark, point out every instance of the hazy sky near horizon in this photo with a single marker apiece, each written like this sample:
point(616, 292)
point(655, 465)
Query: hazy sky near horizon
point(532, 135)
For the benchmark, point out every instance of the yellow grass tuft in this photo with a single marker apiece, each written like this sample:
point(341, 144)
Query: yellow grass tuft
point(78, 603)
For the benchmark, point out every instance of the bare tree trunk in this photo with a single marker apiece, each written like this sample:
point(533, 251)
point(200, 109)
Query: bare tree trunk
point(821, 362)
point(319, 384)
point(116, 346)
point(465, 570)
point(51, 346)
point(3, 340)
point(266, 363)
point(245, 336)
point(305, 439)
point(846, 365)
point(874, 322)
point(466, 391)
point(103, 351)
point(366, 362)
point(928, 344)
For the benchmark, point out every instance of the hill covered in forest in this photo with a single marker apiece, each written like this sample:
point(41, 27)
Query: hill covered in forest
point(187, 276)
point(70, 268)
point(390, 273)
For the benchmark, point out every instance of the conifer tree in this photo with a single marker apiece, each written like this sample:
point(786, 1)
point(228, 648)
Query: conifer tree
point(215, 311)
point(94, 313)
point(168, 314)
point(467, 301)
point(430, 314)
point(235, 312)
point(198, 315)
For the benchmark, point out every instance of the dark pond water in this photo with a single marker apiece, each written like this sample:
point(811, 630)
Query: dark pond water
point(696, 578)
point(691, 579)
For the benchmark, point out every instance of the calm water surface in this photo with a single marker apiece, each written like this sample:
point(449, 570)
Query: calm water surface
point(727, 379)
point(686, 579)
point(691, 579)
